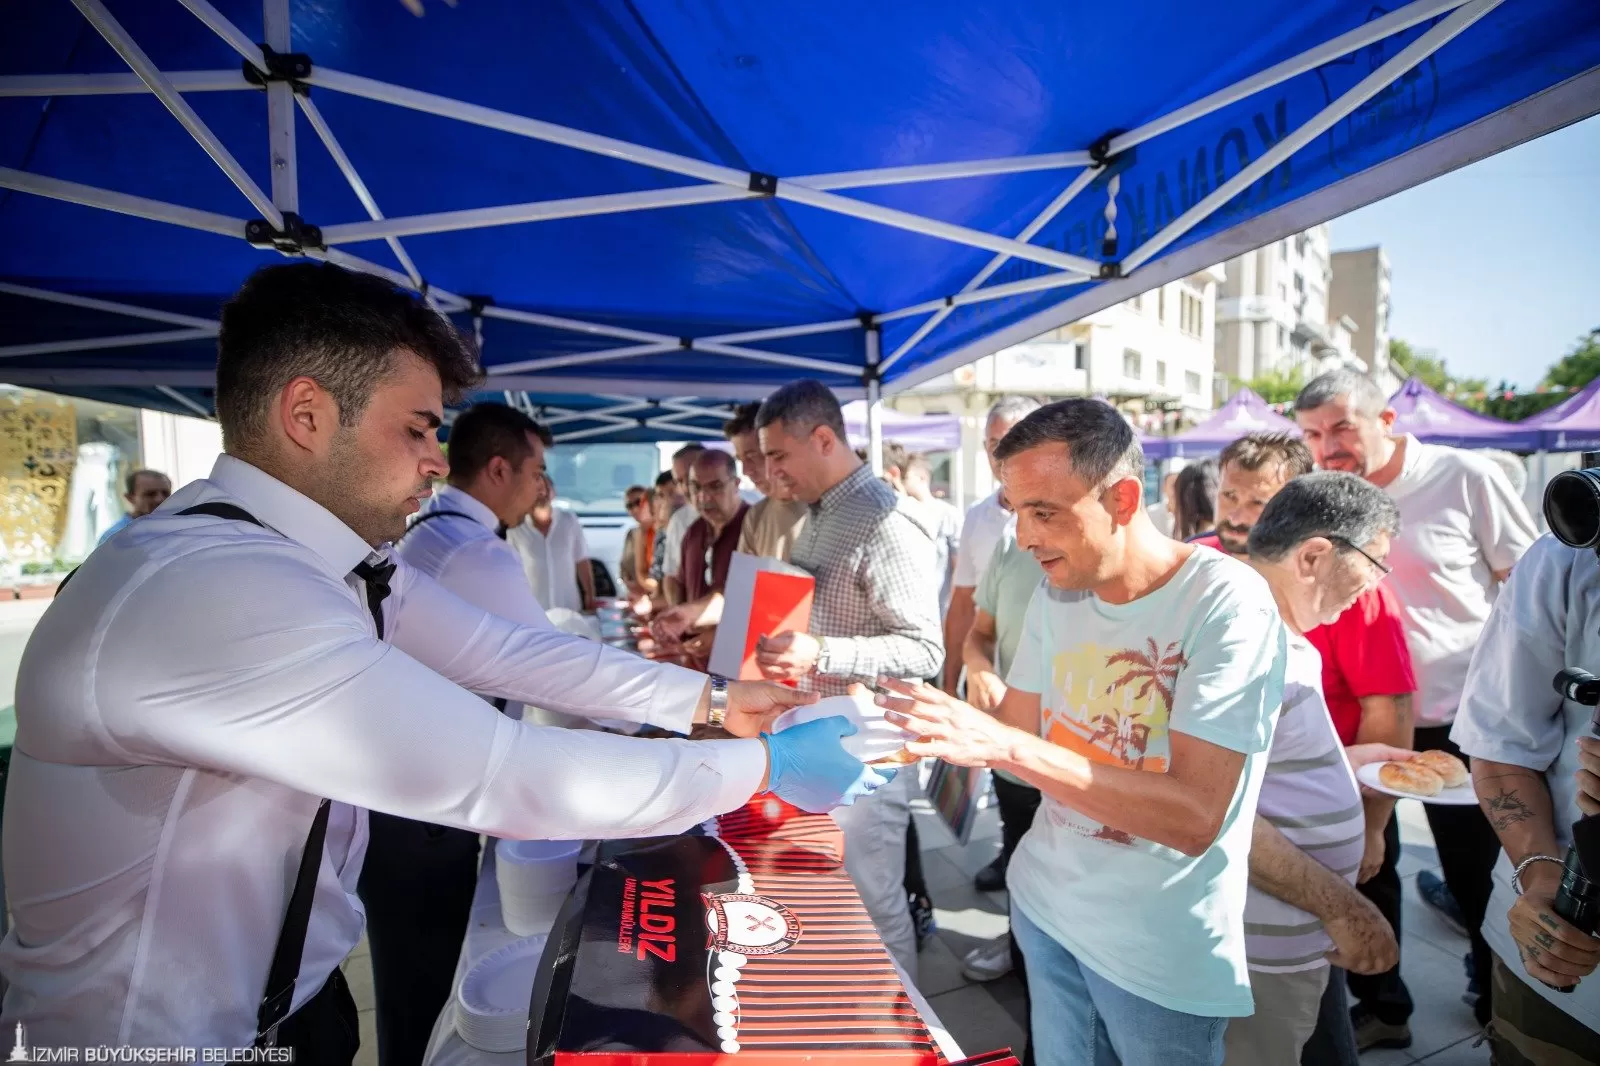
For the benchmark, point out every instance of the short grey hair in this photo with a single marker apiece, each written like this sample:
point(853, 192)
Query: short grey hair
point(1325, 388)
point(1342, 507)
point(1012, 409)
point(1101, 446)
point(803, 405)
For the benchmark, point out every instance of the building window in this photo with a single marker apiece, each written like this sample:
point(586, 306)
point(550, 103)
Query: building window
point(1299, 282)
point(1132, 364)
point(1191, 383)
point(1283, 337)
point(1283, 293)
point(1191, 314)
point(1161, 372)
point(1283, 250)
point(1080, 356)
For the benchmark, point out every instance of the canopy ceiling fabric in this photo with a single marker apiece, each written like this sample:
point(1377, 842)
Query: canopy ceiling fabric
point(1430, 417)
point(581, 177)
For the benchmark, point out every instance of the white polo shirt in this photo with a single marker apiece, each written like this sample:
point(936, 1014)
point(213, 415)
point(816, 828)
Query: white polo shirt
point(187, 700)
point(1460, 521)
point(550, 560)
point(981, 530)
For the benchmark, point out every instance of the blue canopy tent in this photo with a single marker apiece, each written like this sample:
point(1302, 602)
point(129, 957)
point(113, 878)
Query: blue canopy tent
point(706, 200)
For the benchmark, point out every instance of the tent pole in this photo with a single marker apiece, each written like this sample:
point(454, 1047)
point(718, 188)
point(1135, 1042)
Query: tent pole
point(581, 359)
point(1020, 164)
point(109, 28)
point(1342, 45)
point(1423, 47)
point(89, 344)
point(185, 81)
point(89, 303)
point(177, 397)
point(779, 332)
point(280, 113)
point(874, 402)
point(121, 202)
point(218, 24)
point(1059, 279)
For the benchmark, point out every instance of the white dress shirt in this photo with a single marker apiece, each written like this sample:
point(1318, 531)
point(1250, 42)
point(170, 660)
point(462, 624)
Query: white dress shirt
point(550, 560)
point(677, 529)
point(186, 701)
point(982, 529)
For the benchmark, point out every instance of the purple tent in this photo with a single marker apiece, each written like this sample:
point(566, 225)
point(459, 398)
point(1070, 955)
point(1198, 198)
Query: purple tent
point(1245, 412)
point(1430, 417)
point(1573, 425)
point(918, 433)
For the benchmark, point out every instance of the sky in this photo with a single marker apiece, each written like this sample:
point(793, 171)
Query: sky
point(1495, 265)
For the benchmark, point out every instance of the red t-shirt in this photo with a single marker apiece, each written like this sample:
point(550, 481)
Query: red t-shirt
point(1364, 653)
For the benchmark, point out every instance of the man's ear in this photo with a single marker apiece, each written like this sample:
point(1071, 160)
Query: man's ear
point(1387, 417)
point(1124, 498)
point(306, 414)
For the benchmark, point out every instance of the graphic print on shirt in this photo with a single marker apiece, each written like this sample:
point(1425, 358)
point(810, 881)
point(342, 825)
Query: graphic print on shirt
point(1113, 708)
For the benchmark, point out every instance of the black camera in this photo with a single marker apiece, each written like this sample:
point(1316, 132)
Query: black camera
point(1572, 509)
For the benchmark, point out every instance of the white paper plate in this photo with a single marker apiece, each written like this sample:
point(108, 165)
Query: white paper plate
point(876, 738)
point(1457, 796)
point(492, 1002)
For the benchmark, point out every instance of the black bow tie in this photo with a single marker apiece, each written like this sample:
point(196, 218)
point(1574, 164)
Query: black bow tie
point(376, 576)
point(500, 531)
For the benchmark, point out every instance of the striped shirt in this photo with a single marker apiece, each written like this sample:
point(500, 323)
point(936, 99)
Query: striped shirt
point(1312, 797)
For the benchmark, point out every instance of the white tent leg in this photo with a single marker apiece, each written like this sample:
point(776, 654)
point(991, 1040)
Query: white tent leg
point(874, 403)
point(280, 114)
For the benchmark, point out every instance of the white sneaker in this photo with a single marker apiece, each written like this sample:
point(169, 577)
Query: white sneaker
point(988, 962)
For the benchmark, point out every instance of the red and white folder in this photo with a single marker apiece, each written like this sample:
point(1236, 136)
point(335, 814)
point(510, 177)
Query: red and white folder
point(763, 597)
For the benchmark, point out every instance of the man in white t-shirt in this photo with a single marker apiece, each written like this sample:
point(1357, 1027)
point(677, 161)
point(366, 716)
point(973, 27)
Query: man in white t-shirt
point(1522, 736)
point(1141, 703)
point(982, 529)
point(554, 555)
point(1320, 542)
point(943, 519)
point(1462, 529)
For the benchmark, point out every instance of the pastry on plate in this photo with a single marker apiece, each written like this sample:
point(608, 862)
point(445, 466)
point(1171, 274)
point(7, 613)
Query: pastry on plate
point(1447, 766)
point(1411, 778)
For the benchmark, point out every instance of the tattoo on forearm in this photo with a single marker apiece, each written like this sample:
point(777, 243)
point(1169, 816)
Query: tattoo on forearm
point(1505, 808)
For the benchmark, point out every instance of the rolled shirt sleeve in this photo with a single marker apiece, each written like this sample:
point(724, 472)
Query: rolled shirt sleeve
point(1510, 712)
point(377, 726)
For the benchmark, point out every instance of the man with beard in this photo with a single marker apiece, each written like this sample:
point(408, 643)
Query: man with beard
point(1367, 683)
point(1462, 529)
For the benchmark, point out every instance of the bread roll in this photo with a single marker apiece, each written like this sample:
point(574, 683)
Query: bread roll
point(1410, 777)
point(1447, 766)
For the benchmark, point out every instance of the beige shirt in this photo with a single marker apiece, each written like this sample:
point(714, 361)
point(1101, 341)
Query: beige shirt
point(770, 528)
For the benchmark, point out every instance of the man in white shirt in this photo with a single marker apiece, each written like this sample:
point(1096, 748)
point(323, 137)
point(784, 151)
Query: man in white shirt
point(1462, 529)
point(418, 878)
point(981, 530)
point(943, 519)
point(1141, 702)
point(555, 557)
point(1523, 739)
point(678, 527)
point(207, 677)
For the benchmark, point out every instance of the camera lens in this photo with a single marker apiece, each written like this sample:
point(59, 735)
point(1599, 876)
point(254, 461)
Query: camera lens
point(1572, 507)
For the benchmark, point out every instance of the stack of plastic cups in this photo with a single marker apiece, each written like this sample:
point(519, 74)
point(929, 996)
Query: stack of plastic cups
point(534, 877)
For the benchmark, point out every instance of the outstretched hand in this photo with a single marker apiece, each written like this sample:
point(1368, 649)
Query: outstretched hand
point(946, 728)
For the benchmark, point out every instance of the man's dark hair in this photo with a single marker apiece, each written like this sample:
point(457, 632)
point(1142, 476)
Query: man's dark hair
point(486, 430)
point(803, 405)
point(131, 482)
point(729, 464)
point(1348, 510)
point(636, 494)
point(339, 328)
point(1101, 446)
point(1285, 451)
point(743, 420)
point(664, 479)
point(688, 451)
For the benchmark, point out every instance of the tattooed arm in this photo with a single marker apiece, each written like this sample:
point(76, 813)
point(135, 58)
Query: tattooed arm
point(1516, 801)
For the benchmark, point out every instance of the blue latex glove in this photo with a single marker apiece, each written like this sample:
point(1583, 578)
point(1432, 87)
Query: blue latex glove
point(808, 767)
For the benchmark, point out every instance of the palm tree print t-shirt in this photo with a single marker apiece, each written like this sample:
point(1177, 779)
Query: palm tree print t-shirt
point(1203, 655)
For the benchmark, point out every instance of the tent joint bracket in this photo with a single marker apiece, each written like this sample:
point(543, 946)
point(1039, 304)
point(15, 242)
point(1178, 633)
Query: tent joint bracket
point(1109, 271)
point(294, 238)
point(291, 67)
point(1100, 152)
point(686, 343)
point(765, 184)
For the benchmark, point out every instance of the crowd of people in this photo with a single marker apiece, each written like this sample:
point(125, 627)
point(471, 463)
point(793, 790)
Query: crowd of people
point(1174, 702)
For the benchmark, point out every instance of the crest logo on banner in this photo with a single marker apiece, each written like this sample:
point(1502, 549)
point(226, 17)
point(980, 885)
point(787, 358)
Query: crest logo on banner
point(1398, 113)
point(750, 924)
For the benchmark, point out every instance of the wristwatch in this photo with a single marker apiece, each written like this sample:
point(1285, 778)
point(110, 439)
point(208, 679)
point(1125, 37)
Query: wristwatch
point(718, 712)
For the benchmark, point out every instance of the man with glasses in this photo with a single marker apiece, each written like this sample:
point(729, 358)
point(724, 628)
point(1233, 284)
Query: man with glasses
point(1367, 683)
point(1462, 529)
point(709, 543)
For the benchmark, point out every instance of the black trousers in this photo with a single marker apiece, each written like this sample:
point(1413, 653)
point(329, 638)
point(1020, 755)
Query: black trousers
point(1468, 849)
point(1333, 1042)
point(1018, 804)
point(417, 885)
point(325, 1030)
point(1385, 994)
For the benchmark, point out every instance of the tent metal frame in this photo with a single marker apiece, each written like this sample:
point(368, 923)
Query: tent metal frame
point(278, 213)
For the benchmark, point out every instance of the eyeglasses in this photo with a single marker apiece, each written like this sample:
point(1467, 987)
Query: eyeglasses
point(1384, 569)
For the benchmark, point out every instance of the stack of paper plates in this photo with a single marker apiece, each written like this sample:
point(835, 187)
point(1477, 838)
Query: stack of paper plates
point(534, 877)
point(492, 1002)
